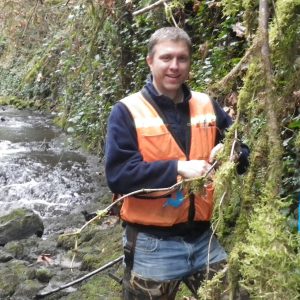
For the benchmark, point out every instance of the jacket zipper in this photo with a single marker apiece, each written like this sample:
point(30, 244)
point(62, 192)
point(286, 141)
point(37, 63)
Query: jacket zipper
point(191, 212)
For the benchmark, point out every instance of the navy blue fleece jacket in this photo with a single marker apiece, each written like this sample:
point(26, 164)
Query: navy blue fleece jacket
point(124, 166)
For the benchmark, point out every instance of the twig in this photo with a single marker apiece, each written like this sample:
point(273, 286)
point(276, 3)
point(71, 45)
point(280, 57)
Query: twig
point(31, 16)
point(150, 7)
point(75, 250)
point(103, 268)
point(173, 187)
point(108, 208)
point(231, 158)
point(172, 17)
point(220, 204)
point(104, 212)
point(213, 232)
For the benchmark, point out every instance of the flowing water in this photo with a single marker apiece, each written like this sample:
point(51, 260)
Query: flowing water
point(39, 169)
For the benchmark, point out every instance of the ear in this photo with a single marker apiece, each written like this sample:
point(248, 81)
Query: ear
point(149, 60)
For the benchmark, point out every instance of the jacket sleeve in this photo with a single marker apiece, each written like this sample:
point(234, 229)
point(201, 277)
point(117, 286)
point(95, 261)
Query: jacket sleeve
point(125, 169)
point(223, 122)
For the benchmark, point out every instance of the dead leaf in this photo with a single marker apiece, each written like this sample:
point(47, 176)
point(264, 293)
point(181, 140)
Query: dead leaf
point(203, 50)
point(296, 96)
point(229, 111)
point(45, 259)
point(232, 99)
point(196, 6)
point(239, 29)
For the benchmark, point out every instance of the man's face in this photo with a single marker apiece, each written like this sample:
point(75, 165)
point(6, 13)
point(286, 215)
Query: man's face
point(170, 66)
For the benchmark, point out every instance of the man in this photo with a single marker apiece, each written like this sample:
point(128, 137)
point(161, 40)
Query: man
point(156, 138)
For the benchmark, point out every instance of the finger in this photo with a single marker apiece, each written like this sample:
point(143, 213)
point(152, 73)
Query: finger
point(205, 168)
point(214, 152)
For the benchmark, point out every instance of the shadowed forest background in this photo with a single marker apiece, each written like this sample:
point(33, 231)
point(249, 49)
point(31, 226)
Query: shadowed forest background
point(79, 57)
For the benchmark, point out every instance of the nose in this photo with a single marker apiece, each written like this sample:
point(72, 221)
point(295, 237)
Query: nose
point(174, 63)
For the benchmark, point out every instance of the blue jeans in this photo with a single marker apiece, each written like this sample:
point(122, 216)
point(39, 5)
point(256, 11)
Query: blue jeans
point(173, 258)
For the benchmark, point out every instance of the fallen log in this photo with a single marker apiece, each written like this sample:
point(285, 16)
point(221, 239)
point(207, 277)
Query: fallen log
point(41, 295)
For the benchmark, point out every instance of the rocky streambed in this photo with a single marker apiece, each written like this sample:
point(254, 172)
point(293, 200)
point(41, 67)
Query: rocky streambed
point(45, 185)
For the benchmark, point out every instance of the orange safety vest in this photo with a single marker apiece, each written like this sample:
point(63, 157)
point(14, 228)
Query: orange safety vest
point(155, 142)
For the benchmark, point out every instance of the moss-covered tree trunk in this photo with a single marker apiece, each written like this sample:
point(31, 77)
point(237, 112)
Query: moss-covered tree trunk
point(263, 247)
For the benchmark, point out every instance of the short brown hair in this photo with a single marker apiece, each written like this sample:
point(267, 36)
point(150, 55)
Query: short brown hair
point(168, 34)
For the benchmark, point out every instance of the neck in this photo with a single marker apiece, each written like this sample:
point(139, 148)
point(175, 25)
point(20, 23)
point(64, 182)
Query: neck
point(176, 96)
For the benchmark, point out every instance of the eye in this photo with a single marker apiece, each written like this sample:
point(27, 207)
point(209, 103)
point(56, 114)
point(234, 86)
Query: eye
point(165, 58)
point(183, 59)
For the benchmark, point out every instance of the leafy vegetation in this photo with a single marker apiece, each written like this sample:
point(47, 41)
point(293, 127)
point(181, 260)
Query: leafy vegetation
point(78, 58)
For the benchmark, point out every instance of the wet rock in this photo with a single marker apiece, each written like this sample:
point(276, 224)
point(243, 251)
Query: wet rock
point(5, 257)
point(20, 224)
point(27, 249)
point(27, 290)
point(11, 275)
point(37, 165)
point(16, 249)
point(27, 273)
point(88, 216)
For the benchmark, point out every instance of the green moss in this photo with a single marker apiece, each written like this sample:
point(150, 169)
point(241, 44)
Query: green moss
point(227, 202)
point(95, 246)
point(28, 289)
point(297, 141)
point(15, 248)
point(271, 263)
point(196, 186)
point(210, 289)
point(66, 241)
point(15, 214)
point(231, 7)
point(54, 2)
point(4, 100)
point(11, 276)
point(43, 275)
point(253, 84)
point(106, 245)
point(98, 287)
point(183, 293)
point(250, 16)
point(33, 72)
point(16, 102)
point(90, 260)
point(95, 252)
point(8, 284)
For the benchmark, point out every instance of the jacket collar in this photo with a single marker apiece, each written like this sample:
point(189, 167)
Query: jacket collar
point(163, 100)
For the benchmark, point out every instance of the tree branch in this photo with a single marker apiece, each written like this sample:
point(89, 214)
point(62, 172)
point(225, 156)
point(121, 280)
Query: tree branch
point(150, 7)
point(62, 287)
point(31, 16)
point(237, 67)
point(105, 211)
point(172, 17)
point(273, 127)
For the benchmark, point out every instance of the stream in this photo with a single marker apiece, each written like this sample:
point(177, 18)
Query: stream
point(42, 171)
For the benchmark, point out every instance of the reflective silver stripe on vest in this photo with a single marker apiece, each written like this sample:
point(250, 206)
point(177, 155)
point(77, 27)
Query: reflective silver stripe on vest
point(203, 119)
point(148, 122)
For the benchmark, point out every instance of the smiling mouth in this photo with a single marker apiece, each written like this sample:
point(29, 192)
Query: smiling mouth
point(173, 76)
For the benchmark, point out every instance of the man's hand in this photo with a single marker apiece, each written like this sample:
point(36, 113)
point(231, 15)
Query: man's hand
point(192, 168)
point(214, 152)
